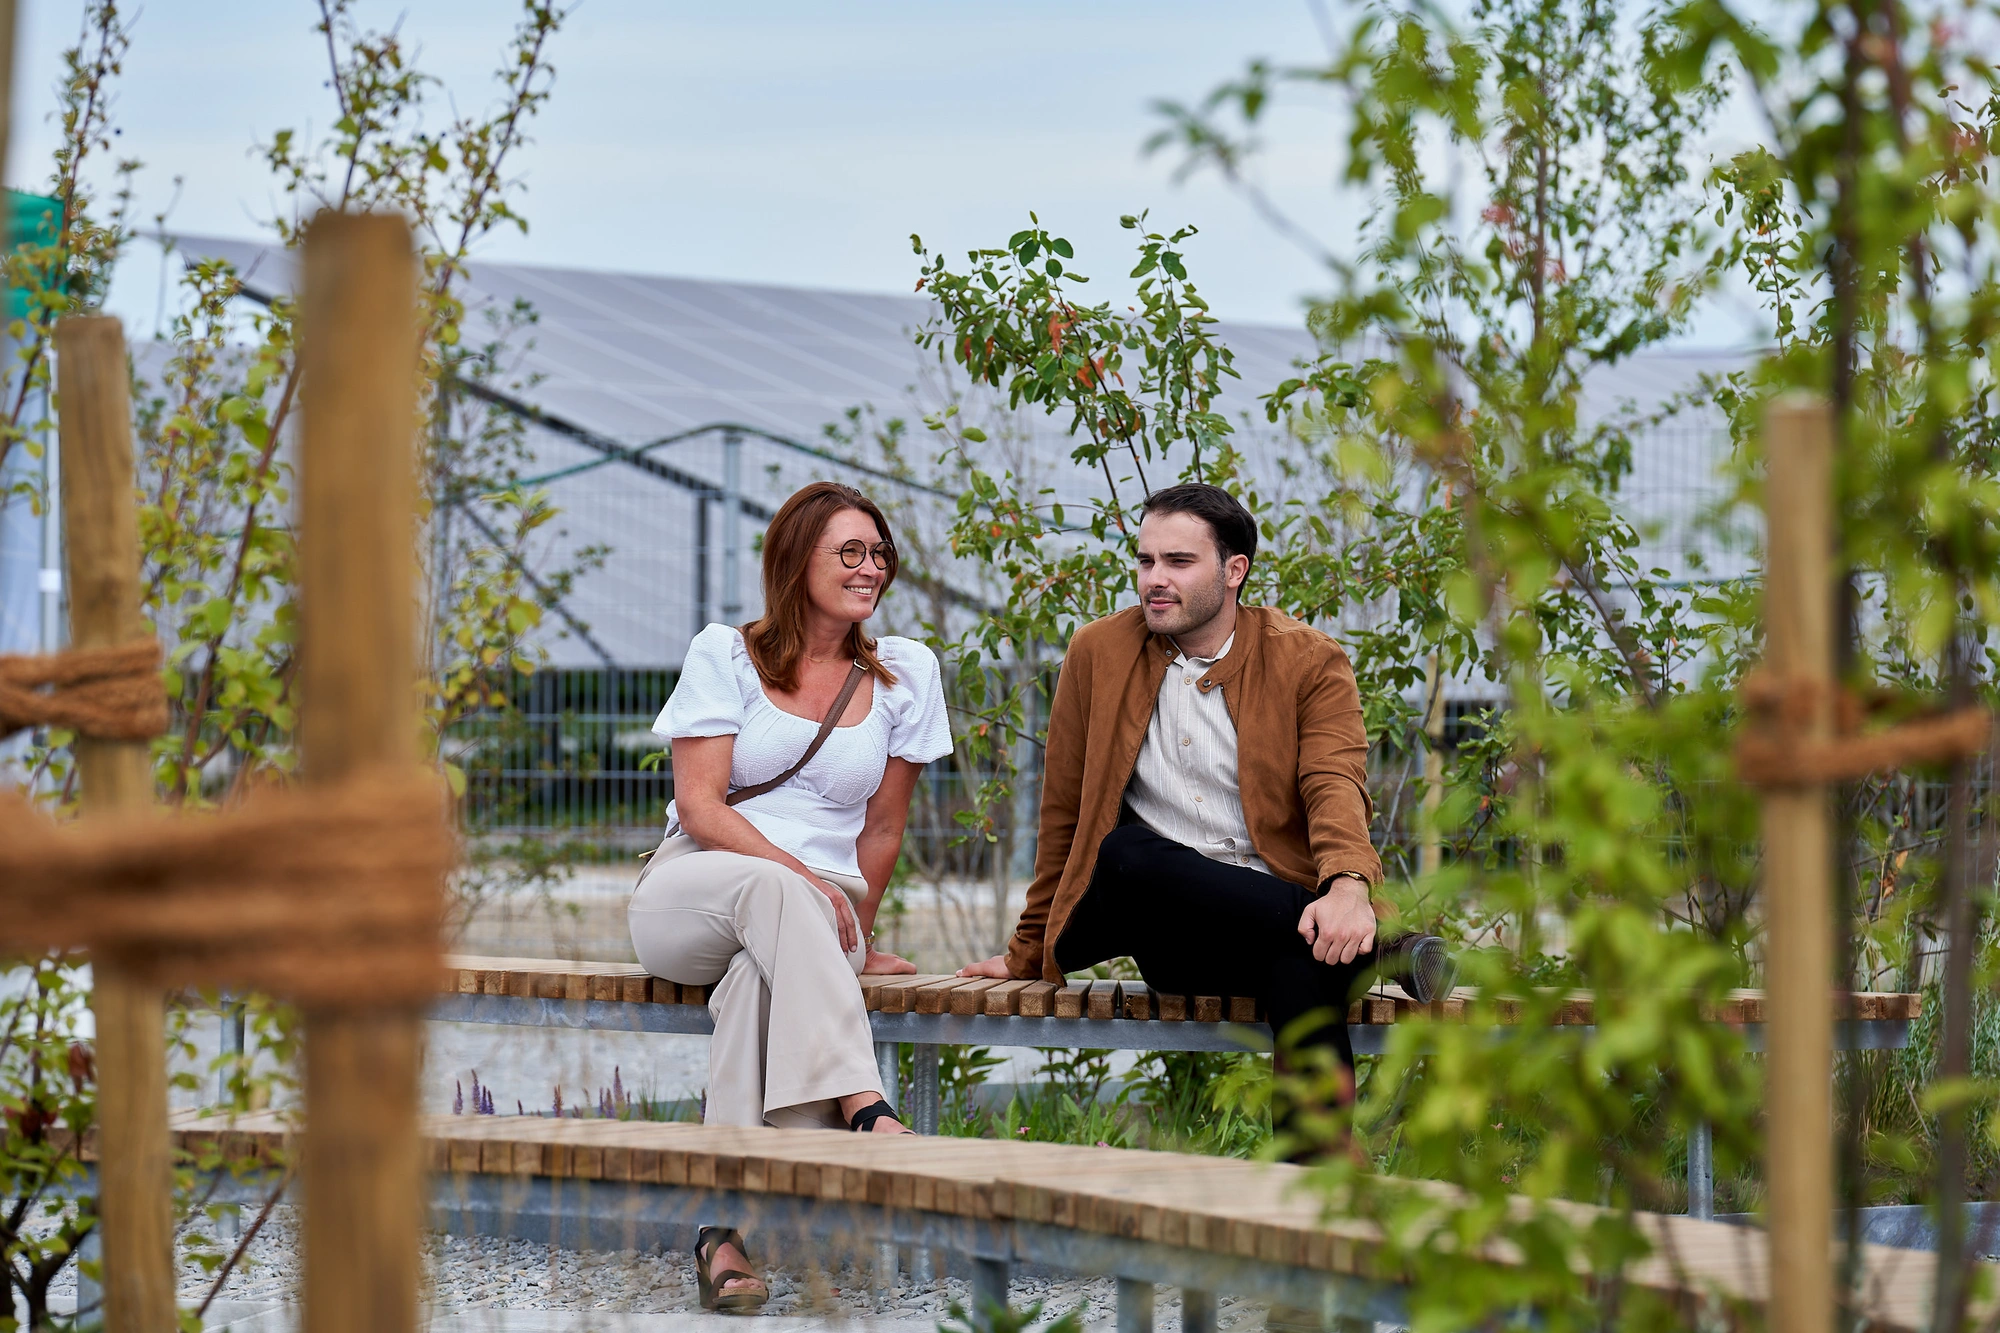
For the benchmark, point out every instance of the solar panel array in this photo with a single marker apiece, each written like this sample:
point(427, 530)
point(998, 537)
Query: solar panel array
point(633, 358)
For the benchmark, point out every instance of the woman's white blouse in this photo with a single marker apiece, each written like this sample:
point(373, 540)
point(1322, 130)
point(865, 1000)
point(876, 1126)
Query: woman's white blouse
point(818, 815)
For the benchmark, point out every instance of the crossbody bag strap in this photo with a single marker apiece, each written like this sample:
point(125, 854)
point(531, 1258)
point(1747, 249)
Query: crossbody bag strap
point(826, 726)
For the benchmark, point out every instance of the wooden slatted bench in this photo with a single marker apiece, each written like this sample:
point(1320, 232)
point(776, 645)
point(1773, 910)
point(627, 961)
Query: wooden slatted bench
point(1205, 1224)
point(948, 1010)
point(930, 1011)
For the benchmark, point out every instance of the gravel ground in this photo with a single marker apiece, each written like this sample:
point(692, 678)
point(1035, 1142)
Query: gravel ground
point(474, 1274)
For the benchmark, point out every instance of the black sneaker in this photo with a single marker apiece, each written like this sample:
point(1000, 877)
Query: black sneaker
point(1420, 964)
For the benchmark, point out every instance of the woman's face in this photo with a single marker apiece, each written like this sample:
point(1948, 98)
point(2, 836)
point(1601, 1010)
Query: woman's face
point(837, 592)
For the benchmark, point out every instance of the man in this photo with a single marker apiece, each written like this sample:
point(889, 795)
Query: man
point(1204, 796)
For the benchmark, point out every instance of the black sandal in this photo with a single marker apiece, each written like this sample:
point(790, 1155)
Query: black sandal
point(706, 1242)
point(863, 1121)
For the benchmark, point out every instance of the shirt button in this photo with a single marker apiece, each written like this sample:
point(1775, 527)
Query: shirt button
point(1187, 740)
point(1187, 680)
point(1197, 800)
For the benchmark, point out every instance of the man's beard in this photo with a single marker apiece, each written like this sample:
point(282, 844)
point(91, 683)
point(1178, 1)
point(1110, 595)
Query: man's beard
point(1195, 609)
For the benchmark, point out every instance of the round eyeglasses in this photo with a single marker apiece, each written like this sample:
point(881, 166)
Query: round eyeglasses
point(853, 553)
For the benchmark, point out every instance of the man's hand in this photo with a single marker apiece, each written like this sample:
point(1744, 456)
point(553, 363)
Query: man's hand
point(1339, 925)
point(995, 967)
point(887, 965)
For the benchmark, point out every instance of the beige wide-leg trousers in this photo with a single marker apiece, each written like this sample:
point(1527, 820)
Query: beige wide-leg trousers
point(791, 1032)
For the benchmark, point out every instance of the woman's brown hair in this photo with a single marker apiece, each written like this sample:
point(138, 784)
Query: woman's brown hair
point(777, 639)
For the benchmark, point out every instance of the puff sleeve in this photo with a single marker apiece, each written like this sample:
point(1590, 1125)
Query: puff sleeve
point(708, 698)
point(919, 727)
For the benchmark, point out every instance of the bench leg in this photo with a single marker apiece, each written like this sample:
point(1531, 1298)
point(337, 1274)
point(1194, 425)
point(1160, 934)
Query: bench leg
point(1701, 1171)
point(888, 1065)
point(230, 1019)
point(1197, 1311)
point(89, 1291)
point(1135, 1306)
point(989, 1286)
point(926, 1095)
point(885, 1273)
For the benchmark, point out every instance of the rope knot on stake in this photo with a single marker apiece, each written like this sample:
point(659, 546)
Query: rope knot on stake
point(331, 897)
point(1778, 749)
point(105, 694)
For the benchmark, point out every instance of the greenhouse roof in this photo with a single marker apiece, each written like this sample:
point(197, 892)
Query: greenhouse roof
point(623, 360)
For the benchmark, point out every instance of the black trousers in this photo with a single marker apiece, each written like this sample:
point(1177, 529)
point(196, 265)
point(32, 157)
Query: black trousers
point(1199, 927)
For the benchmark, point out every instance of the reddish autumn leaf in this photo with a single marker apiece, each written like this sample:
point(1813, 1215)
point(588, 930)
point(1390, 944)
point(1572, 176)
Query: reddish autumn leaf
point(82, 1064)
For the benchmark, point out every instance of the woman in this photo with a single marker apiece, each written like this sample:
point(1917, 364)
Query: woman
point(770, 900)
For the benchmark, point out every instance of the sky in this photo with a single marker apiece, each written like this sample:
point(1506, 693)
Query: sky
point(753, 140)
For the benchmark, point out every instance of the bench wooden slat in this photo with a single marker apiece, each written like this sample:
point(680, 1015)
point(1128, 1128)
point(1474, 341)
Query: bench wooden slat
point(1070, 999)
point(1101, 1002)
point(934, 998)
point(893, 996)
point(1208, 1009)
point(1171, 1008)
point(1137, 999)
point(1037, 1000)
point(1004, 999)
point(1243, 1009)
point(872, 984)
point(971, 997)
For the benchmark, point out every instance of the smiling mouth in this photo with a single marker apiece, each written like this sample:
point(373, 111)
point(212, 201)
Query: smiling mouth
point(861, 589)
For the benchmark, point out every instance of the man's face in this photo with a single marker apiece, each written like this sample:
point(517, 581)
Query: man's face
point(1183, 580)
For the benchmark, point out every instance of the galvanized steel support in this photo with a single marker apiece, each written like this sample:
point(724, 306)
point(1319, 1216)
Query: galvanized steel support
point(989, 1290)
point(1701, 1171)
point(1135, 1305)
point(925, 1095)
point(1197, 1311)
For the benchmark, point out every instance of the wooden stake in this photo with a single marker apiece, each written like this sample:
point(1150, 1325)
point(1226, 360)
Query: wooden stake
point(1798, 870)
point(135, 1183)
point(364, 1166)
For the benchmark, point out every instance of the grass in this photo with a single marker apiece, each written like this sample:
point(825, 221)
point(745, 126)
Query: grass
point(1178, 1101)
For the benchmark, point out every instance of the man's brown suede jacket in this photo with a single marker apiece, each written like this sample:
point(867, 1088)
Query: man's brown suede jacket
point(1301, 759)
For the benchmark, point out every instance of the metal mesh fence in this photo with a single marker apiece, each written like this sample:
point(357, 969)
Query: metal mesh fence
point(575, 757)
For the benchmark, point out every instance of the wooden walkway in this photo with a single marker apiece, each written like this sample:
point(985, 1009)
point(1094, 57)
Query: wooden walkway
point(1228, 1224)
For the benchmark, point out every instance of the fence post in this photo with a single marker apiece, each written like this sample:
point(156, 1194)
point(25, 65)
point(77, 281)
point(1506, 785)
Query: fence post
point(1430, 842)
point(363, 1161)
point(1798, 869)
point(732, 527)
point(135, 1184)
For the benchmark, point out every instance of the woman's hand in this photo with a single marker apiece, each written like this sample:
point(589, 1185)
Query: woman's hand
point(888, 964)
point(844, 920)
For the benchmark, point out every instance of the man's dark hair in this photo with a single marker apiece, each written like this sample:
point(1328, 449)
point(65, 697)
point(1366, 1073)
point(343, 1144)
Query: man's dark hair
point(1235, 531)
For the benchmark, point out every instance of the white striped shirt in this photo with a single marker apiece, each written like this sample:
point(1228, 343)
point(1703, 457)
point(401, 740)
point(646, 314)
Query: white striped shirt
point(1185, 784)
